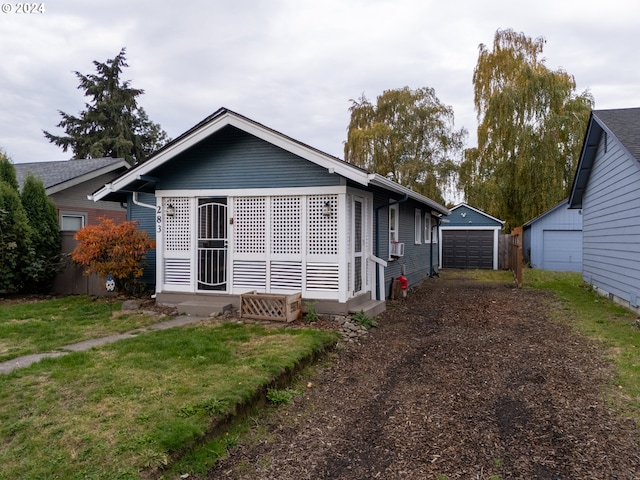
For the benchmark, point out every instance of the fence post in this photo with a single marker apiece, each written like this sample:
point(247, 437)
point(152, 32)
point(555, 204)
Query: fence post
point(516, 254)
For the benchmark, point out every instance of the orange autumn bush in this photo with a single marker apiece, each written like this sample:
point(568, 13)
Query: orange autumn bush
point(117, 250)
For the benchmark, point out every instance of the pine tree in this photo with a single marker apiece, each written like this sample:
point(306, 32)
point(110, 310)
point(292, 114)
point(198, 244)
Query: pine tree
point(113, 124)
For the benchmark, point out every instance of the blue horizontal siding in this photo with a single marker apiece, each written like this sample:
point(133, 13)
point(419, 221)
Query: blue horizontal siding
point(611, 226)
point(232, 158)
point(146, 218)
point(464, 216)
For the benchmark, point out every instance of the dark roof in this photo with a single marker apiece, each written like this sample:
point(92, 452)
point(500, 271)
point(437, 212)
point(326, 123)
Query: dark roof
point(142, 177)
point(623, 124)
point(57, 176)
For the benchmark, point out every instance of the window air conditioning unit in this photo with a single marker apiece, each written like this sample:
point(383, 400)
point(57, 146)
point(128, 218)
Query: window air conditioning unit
point(397, 249)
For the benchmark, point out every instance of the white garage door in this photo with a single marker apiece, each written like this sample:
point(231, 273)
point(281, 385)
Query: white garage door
point(562, 250)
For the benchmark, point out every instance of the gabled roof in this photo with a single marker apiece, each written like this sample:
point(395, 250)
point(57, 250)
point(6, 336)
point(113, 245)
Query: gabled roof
point(466, 205)
point(564, 203)
point(142, 174)
point(58, 176)
point(623, 124)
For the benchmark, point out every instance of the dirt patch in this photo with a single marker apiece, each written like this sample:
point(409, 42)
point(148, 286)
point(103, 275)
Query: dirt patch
point(462, 380)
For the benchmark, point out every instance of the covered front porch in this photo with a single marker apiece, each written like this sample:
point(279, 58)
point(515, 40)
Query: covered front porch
point(214, 246)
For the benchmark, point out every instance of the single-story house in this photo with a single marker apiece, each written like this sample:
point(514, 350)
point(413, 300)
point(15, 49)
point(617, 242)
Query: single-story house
point(237, 207)
point(606, 189)
point(469, 238)
point(68, 184)
point(553, 240)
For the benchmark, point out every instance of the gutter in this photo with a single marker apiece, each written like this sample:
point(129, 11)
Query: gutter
point(141, 204)
point(387, 205)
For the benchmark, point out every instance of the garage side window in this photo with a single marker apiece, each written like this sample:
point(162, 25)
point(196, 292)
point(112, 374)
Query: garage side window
point(418, 227)
point(427, 228)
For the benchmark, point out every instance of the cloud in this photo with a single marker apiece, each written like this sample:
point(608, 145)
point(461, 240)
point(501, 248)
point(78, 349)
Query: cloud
point(292, 64)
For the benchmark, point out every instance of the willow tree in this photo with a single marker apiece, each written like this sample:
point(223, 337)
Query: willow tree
point(408, 136)
point(531, 124)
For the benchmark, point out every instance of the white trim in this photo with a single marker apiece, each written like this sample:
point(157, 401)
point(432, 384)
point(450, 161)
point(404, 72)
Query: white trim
point(477, 211)
point(496, 234)
point(254, 192)
point(216, 123)
point(380, 181)
point(417, 227)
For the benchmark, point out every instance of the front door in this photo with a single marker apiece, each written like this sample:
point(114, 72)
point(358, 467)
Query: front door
point(212, 244)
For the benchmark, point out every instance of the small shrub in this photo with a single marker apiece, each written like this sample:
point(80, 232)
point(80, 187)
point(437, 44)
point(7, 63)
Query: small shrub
point(113, 249)
point(364, 320)
point(281, 397)
point(312, 314)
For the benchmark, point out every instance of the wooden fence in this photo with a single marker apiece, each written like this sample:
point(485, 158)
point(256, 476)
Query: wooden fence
point(510, 254)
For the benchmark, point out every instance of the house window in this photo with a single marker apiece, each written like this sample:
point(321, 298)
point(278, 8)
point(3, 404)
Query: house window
point(394, 220)
point(70, 222)
point(418, 227)
point(427, 228)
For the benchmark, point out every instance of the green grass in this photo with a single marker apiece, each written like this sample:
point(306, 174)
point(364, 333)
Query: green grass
point(46, 325)
point(136, 405)
point(612, 326)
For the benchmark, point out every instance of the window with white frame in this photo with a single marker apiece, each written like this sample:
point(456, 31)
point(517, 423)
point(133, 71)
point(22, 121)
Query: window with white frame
point(394, 222)
point(418, 227)
point(427, 227)
point(72, 221)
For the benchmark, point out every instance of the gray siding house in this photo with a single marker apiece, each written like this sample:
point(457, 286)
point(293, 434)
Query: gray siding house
point(236, 207)
point(553, 240)
point(606, 189)
point(69, 184)
point(470, 239)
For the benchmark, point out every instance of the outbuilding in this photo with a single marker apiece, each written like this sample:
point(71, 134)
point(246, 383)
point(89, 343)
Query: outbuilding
point(553, 240)
point(469, 238)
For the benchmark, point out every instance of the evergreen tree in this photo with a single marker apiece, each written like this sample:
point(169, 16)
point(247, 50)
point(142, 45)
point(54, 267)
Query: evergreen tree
point(113, 124)
point(409, 136)
point(530, 132)
point(8, 171)
point(15, 244)
point(45, 235)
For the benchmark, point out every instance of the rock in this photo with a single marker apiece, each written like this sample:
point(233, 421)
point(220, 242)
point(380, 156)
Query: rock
point(131, 305)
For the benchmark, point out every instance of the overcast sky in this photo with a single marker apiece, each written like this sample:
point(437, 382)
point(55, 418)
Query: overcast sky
point(292, 65)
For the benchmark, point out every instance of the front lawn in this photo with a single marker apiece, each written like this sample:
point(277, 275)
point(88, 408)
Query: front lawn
point(40, 326)
point(131, 407)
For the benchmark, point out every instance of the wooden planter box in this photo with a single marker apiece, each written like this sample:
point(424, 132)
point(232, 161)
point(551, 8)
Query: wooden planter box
point(267, 306)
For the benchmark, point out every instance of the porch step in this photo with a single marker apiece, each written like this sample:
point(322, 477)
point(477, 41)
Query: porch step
point(203, 308)
point(370, 308)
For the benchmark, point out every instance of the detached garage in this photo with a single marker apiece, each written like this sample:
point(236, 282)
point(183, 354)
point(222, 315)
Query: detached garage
point(553, 240)
point(469, 239)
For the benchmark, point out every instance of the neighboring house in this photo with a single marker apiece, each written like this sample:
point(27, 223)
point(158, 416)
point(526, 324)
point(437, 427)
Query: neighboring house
point(236, 207)
point(553, 240)
point(606, 189)
point(470, 239)
point(68, 184)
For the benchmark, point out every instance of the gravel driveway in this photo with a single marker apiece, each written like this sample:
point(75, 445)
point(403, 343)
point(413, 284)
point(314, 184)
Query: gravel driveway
point(462, 380)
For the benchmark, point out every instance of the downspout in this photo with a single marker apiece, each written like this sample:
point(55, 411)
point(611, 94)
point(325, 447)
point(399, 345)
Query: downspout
point(404, 199)
point(141, 204)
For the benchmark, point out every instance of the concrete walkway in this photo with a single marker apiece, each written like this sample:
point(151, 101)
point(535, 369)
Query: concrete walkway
point(21, 362)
